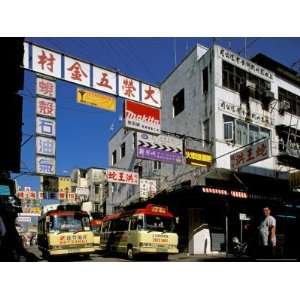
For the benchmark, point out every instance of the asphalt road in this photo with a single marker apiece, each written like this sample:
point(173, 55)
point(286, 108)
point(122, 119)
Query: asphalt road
point(35, 255)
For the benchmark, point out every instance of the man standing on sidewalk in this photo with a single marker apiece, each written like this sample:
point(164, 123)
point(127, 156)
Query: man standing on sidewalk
point(267, 234)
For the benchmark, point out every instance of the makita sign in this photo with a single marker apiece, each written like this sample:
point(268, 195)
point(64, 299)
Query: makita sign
point(142, 117)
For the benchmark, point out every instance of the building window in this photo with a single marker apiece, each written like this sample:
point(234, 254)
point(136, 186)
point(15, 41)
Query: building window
point(253, 133)
point(178, 103)
point(206, 130)
point(241, 132)
point(96, 189)
point(235, 79)
point(205, 80)
point(123, 150)
point(264, 133)
point(114, 157)
point(156, 165)
point(293, 100)
point(228, 128)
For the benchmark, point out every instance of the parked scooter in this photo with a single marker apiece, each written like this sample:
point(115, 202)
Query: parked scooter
point(239, 249)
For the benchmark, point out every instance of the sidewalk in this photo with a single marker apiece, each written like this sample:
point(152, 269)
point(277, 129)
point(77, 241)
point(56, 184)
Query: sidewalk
point(220, 257)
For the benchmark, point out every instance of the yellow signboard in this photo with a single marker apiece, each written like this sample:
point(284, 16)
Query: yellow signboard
point(198, 158)
point(96, 99)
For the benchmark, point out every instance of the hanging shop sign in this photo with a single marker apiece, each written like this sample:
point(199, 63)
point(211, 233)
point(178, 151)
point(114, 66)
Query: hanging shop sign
point(129, 88)
point(82, 191)
point(198, 158)
point(45, 87)
point(142, 117)
point(96, 99)
point(147, 188)
point(45, 126)
point(45, 146)
point(151, 95)
point(251, 154)
point(163, 148)
point(104, 80)
point(71, 196)
point(122, 176)
point(245, 64)
point(45, 165)
point(45, 107)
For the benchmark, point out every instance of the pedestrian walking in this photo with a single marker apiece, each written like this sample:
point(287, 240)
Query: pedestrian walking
point(267, 234)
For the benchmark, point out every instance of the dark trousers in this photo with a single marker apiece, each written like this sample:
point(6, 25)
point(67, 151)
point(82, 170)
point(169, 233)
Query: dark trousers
point(266, 252)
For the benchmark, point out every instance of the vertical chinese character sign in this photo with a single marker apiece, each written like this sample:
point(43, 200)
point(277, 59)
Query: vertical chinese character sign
point(45, 126)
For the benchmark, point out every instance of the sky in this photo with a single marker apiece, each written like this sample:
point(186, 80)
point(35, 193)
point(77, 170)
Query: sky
point(83, 132)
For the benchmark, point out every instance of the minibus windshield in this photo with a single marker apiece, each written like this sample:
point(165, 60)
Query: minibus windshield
point(69, 224)
point(158, 223)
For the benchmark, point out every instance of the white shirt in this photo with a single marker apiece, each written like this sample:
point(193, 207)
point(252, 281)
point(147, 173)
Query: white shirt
point(264, 230)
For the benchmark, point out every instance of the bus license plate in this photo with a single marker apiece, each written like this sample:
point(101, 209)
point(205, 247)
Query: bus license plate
point(72, 250)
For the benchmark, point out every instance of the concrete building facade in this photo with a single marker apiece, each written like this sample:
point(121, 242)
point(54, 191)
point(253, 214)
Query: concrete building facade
point(218, 102)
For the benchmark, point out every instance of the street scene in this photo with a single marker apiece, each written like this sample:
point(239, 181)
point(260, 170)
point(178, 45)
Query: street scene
point(150, 149)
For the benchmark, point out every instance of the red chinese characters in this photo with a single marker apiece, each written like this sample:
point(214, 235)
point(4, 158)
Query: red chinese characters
point(45, 87)
point(77, 72)
point(46, 107)
point(46, 61)
point(104, 81)
point(261, 150)
point(128, 88)
point(122, 176)
point(151, 95)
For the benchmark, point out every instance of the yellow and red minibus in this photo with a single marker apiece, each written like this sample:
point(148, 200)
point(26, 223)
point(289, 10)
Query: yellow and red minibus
point(148, 230)
point(65, 230)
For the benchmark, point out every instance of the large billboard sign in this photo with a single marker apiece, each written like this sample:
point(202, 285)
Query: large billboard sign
point(61, 66)
point(163, 148)
point(251, 154)
point(122, 176)
point(142, 117)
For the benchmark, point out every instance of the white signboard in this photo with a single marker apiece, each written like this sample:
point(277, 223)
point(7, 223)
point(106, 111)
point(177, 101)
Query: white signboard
point(46, 62)
point(122, 176)
point(147, 188)
point(250, 154)
point(45, 107)
point(82, 191)
point(26, 56)
point(77, 71)
point(129, 88)
point(45, 165)
point(151, 95)
point(24, 219)
point(243, 217)
point(45, 146)
point(45, 87)
point(45, 126)
point(104, 80)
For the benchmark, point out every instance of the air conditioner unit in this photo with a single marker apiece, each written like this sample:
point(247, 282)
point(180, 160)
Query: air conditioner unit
point(268, 94)
point(250, 85)
point(284, 105)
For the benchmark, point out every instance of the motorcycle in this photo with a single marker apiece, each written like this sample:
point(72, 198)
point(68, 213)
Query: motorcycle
point(239, 249)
